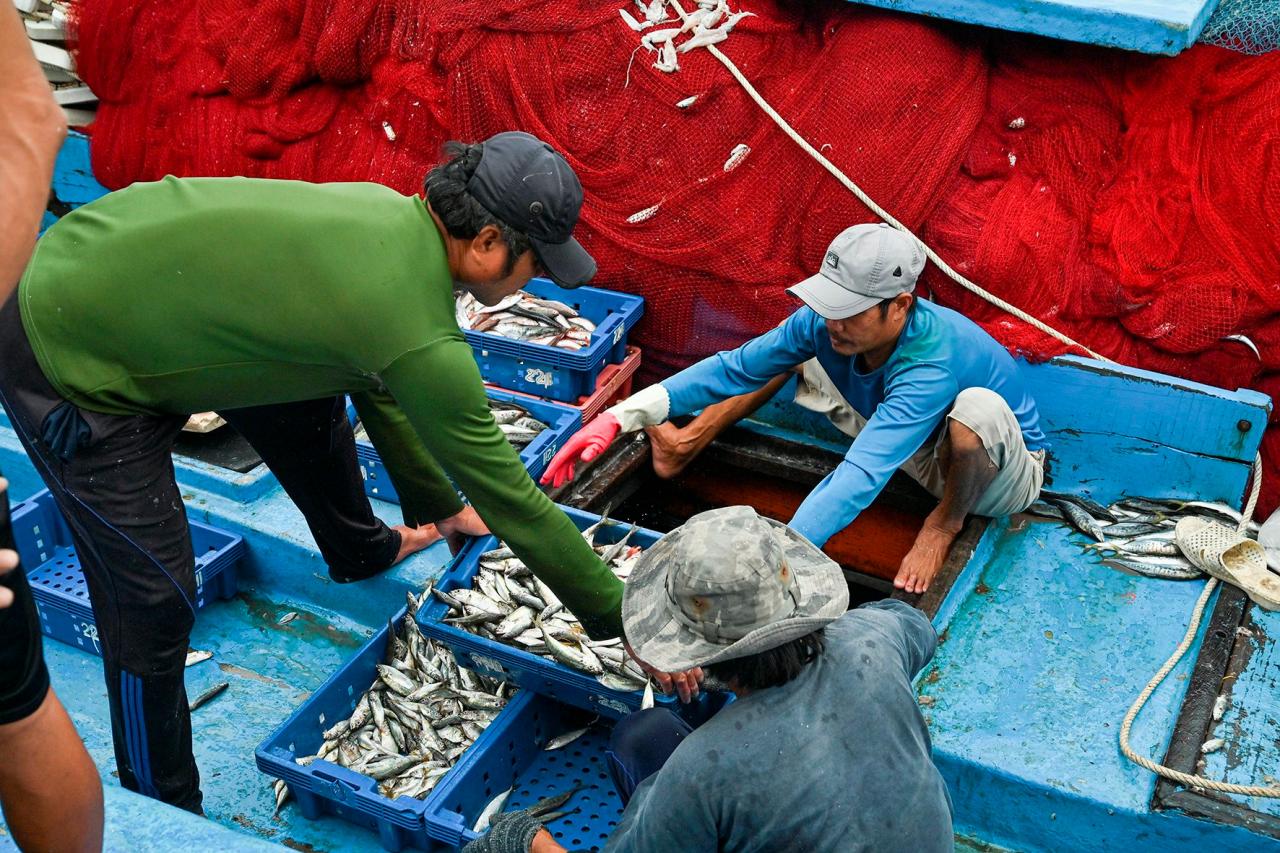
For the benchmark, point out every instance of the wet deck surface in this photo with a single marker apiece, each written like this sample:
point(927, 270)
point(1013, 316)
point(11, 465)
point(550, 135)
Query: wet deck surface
point(1033, 675)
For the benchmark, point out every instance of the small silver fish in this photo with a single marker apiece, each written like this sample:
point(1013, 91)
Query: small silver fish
point(563, 740)
point(287, 618)
point(494, 807)
point(194, 657)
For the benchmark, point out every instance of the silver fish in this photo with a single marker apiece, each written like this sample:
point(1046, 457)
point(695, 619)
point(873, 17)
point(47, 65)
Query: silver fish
point(194, 657)
point(1081, 520)
point(494, 807)
point(561, 741)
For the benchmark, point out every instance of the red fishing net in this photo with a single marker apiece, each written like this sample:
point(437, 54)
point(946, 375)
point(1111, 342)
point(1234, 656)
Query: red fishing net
point(1124, 199)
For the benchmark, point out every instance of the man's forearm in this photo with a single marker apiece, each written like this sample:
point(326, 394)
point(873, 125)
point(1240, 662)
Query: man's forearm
point(31, 131)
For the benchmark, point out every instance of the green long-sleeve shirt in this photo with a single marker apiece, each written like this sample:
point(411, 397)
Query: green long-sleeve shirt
point(187, 295)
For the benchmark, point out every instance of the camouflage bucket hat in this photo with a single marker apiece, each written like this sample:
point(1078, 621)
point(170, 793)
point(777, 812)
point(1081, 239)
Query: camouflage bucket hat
point(728, 584)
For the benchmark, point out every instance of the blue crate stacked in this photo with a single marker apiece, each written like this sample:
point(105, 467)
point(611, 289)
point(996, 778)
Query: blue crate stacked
point(57, 582)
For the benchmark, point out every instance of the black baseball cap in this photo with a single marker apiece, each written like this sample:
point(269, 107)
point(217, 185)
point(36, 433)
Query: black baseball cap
point(525, 183)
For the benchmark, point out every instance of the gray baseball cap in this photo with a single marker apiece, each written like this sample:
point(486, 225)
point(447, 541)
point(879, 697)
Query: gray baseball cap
point(864, 265)
point(726, 584)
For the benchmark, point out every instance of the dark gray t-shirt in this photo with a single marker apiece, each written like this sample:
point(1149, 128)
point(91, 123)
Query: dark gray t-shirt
point(835, 760)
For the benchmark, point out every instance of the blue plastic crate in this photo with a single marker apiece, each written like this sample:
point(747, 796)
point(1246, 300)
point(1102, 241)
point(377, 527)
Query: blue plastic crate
point(513, 757)
point(561, 421)
point(529, 671)
point(57, 582)
point(551, 372)
point(324, 788)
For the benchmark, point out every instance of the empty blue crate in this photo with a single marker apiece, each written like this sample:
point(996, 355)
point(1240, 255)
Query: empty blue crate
point(531, 672)
point(514, 756)
point(551, 372)
point(57, 582)
point(561, 421)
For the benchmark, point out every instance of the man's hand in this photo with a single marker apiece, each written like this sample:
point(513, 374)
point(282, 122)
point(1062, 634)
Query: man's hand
point(925, 558)
point(8, 561)
point(456, 528)
point(585, 444)
point(685, 684)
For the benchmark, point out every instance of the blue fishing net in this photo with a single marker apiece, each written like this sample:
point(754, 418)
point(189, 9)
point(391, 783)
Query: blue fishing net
point(1249, 26)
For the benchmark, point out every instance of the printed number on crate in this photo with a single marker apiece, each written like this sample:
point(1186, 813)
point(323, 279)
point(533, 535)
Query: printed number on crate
point(539, 377)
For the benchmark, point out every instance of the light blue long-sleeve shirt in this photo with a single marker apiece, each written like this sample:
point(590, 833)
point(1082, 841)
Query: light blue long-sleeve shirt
point(939, 354)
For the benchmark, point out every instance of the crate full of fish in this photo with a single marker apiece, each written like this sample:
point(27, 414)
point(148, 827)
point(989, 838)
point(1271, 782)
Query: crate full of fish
point(548, 341)
point(57, 582)
point(536, 428)
point(501, 620)
point(612, 386)
point(543, 755)
point(375, 743)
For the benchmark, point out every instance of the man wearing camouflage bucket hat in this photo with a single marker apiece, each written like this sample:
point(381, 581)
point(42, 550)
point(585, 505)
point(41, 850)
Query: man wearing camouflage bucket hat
point(824, 748)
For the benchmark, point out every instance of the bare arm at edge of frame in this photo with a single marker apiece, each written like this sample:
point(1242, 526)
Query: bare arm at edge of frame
point(32, 128)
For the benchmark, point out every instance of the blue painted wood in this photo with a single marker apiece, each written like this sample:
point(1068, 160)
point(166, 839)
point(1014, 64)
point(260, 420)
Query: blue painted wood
point(1118, 430)
point(1026, 692)
point(1149, 26)
point(73, 180)
point(1251, 723)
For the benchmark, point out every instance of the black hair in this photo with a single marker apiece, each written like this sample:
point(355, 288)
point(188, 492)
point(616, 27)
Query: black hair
point(884, 304)
point(462, 215)
point(771, 668)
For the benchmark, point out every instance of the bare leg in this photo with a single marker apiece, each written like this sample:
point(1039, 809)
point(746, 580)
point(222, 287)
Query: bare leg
point(675, 447)
point(969, 472)
point(50, 790)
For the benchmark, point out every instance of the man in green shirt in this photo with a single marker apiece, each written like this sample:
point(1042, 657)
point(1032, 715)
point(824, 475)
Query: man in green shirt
point(267, 301)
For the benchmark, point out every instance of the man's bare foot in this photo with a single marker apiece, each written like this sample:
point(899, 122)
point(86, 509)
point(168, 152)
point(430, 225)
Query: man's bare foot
point(414, 539)
point(925, 558)
point(671, 452)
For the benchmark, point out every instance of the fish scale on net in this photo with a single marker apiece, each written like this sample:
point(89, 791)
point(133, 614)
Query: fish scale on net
point(533, 619)
point(419, 715)
point(525, 317)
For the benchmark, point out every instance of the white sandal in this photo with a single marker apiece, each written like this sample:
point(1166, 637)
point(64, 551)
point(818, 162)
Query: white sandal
point(1230, 557)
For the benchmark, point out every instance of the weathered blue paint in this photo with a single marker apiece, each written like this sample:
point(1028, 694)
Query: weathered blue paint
point(73, 180)
point(1033, 675)
point(1251, 724)
point(1149, 26)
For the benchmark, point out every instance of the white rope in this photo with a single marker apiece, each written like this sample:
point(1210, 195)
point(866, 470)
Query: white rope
point(880, 211)
point(1198, 613)
point(1188, 779)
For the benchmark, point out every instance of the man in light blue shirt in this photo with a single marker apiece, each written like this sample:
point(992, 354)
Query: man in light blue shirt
point(919, 387)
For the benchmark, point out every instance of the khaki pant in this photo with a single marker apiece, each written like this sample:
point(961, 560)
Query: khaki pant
point(1020, 472)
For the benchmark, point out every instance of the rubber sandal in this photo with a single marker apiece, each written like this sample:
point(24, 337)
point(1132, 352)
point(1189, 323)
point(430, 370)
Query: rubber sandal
point(1230, 557)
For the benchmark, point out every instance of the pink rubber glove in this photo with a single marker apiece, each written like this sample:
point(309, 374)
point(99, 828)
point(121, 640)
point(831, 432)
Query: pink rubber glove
point(586, 444)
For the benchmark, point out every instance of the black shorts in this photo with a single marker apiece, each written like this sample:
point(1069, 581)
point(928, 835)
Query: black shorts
point(24, 680)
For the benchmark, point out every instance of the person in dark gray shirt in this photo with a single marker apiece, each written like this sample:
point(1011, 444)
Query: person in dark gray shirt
point(824, 749)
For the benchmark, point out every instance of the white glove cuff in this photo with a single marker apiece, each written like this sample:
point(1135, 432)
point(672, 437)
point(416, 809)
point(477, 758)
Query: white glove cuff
point(649, 407)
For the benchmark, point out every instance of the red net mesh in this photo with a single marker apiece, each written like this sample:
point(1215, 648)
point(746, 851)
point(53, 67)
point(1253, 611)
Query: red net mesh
point(1126, 200)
